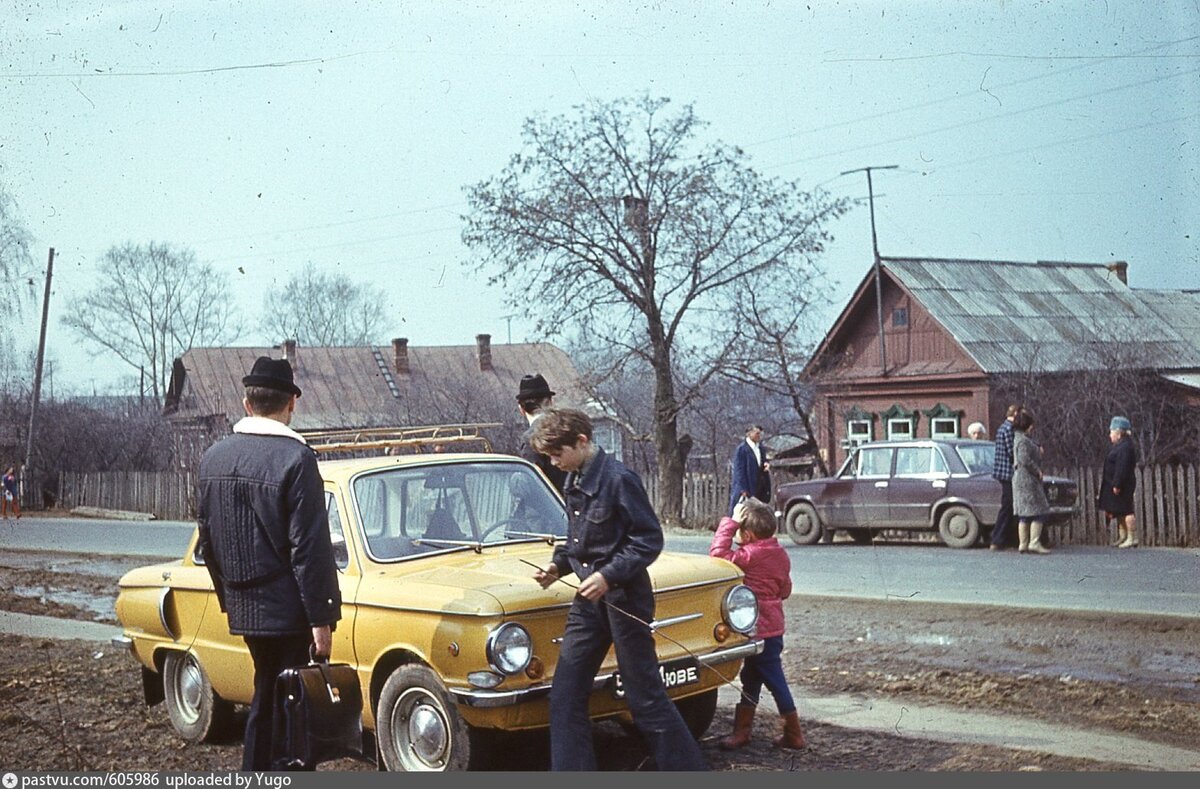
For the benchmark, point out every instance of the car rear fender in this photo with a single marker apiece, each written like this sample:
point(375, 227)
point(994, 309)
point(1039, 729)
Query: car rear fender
point(939, 506)
point(387, 664)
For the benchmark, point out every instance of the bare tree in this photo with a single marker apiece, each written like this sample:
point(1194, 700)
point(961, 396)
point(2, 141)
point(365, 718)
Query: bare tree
point(16, 262)
point(153, 304)
point(619, 220)
point(319, 309)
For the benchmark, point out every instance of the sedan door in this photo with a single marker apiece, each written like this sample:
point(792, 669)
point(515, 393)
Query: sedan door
point(920, 478)
point(872, 479)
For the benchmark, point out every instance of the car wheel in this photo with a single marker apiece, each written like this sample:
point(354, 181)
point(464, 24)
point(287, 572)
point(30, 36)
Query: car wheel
point(698, 711)
point(860, 536)
point(958, 527)
point(420, 729)
point(802, 523)
point(195, 709)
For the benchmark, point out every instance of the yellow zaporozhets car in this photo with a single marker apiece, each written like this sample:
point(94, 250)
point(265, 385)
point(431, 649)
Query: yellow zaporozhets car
point(451, 637)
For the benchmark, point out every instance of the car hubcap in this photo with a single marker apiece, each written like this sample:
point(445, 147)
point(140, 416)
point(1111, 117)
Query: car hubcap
point(190, 684)
point(420, 732)
point(959, 527)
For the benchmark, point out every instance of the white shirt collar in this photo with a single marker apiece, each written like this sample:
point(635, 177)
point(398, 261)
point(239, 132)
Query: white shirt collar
point(262, 426)
point(754, 448)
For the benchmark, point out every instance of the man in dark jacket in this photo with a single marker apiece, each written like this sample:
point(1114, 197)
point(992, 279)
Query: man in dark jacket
point(613, 536)
point(751, 473)
point(1002, 472)
point(264, 534)
point(533, 397)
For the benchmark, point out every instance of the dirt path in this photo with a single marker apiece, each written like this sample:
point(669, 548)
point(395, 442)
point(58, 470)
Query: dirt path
point(1136, 676)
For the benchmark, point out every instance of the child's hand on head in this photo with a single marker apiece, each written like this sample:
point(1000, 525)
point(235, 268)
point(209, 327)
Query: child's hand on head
point(739, 512)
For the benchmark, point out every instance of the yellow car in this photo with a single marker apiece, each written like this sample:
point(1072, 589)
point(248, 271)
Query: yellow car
point(451, 637)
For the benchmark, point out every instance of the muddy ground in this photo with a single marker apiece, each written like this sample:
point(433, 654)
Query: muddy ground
point(77, 705)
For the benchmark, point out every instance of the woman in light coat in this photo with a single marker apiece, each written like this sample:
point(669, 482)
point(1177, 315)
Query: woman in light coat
point(1029, 497)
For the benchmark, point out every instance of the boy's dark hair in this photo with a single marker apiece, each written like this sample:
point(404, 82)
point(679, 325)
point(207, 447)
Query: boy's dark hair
point(558, 429)
point(533, 405)
point(760, 519)
point(264, 401)
point(1023, 420)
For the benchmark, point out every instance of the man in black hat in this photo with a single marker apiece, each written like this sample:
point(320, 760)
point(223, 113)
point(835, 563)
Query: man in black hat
point(533, 397)
point(264, 534)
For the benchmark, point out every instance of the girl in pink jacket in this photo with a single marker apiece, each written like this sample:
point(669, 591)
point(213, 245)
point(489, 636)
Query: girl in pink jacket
point(768, 574)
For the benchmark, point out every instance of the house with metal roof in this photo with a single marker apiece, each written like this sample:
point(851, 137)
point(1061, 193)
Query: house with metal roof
point(929, 357)
point(357, 387)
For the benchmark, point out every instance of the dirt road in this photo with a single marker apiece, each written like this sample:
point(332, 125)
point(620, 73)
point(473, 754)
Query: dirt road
point(77, 705)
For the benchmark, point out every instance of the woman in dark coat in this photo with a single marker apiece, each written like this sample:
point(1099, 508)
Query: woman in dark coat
point(1119, 482)
point(1029, 496)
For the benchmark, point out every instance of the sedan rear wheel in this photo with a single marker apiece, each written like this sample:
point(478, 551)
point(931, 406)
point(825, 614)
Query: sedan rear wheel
point(420, 729)
point(958, 527)
point(195, 709)
point(802, 523)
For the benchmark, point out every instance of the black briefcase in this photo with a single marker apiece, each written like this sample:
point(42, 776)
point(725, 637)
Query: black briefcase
point(317, 716)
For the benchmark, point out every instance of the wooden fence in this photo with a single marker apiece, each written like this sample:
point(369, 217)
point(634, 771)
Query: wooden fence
point(167, 494)
point(1166, 505)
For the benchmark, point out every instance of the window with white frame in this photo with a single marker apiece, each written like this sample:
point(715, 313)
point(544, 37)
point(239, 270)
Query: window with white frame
point(900, 428)
point(858, 430)
point(943, 427)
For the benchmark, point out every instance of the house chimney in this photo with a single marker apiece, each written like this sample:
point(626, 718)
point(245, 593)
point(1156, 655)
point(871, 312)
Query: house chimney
point(400, 354)
point(1120, 268)
point(483, 344)
point(289, 350)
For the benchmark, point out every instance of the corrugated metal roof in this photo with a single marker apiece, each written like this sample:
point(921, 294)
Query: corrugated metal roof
point(1052, 317)
point(345, 387)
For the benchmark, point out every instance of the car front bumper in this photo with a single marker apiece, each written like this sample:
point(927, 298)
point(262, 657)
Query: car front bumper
point(486, 699)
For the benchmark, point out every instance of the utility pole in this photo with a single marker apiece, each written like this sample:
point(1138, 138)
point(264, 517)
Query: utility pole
point(508, 318)
point(875, 247)
point(37, 376)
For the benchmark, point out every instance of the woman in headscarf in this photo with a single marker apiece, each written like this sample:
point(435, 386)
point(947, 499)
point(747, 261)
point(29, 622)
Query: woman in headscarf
point(1029, 496)
point(1118, 482)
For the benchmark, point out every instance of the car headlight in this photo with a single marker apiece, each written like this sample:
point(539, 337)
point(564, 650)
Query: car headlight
point(739, 609)
point(509, 648)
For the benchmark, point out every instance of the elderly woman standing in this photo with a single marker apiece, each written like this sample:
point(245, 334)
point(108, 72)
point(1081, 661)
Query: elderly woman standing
point(1118, 482)
point(1029, 497)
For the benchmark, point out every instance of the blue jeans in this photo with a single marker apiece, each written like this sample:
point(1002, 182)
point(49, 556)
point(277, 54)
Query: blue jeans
point(591, 628)
point(766, 668)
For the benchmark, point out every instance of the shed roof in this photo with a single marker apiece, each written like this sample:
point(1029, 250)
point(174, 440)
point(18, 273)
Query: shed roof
point(1050, 316)
point(359, 386)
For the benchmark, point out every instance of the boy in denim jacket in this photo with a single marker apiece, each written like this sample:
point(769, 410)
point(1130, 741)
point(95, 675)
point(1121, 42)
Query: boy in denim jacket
point(768, 574)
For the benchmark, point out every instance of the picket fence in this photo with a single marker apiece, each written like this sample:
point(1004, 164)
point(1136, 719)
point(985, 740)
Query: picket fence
point(1167, 501)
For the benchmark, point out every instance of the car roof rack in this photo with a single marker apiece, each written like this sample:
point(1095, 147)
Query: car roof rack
point(393, 440)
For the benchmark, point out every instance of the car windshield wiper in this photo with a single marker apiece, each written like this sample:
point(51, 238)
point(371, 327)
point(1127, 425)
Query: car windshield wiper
point(548, 537)
point(473, 544)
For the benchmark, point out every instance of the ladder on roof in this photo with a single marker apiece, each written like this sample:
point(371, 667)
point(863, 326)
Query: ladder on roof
point(393, 438)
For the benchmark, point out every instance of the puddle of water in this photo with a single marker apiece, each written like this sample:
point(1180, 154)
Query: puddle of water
point(98, 605)
point(918, 639)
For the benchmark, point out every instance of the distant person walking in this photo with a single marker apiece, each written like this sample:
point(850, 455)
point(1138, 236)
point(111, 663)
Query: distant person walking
point(10, 496)
point(1029, 496)
point(976, 431)
point(768, 573)
point(1002, 471)
point(534, 396)
point(751, 473)
point(1118, 482)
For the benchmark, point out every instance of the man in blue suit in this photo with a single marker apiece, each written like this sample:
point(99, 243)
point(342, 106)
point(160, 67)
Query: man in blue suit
point(751, 475)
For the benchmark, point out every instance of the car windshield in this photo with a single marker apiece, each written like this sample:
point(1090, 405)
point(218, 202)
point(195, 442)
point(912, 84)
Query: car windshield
point(408, 511)
point(979, 458)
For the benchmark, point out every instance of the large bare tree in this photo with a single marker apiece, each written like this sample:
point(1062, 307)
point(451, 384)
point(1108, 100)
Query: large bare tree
point(154, 302)
point(621, 220)
point(16, 261)
point(319, 309)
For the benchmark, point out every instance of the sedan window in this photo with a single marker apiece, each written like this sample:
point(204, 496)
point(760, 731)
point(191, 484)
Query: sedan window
point(875, 462)
point(979, 458)
point(920, 462)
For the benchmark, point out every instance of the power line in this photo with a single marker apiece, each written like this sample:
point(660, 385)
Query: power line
point(190, 71)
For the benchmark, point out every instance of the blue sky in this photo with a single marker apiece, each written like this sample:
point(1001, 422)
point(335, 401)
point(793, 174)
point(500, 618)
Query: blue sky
point(265, 135)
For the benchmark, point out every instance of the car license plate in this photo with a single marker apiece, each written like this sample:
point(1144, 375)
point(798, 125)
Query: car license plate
point(675, 673)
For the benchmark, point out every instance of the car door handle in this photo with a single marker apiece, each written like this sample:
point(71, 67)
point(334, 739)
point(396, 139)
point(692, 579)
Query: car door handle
point(881, 484)
point(939, 483)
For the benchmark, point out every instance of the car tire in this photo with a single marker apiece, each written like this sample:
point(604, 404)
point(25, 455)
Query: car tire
point(195, 709)
point(803, 524)
point(698, 711)
point(958, 527)
point(419, 728)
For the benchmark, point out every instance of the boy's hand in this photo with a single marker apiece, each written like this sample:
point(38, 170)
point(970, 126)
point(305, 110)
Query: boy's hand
point(739, 513)
point(547, 575)
point(594, 587)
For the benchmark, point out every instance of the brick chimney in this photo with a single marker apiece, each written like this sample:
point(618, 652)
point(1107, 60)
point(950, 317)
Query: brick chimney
point(289, 351)
point(483, 346)
point(400, 355)
point(1120, 268)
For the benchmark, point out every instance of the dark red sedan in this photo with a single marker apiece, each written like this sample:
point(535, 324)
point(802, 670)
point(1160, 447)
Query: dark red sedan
point(919, 485)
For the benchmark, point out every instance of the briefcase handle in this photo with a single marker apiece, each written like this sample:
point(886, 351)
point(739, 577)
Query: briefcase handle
point(315, 659)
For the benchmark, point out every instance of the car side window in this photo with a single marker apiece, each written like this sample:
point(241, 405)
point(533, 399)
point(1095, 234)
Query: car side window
point(875, 462)
point(337, 535)
point(920, 462)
